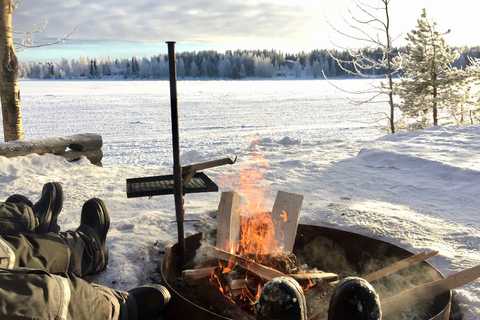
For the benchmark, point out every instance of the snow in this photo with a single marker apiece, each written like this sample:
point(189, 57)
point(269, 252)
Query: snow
point(418, 190)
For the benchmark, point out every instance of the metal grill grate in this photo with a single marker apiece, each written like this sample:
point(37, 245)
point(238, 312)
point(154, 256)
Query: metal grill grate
point(160, 185)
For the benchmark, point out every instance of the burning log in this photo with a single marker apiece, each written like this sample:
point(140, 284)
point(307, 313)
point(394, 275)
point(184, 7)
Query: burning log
point(235, 286)
point(265, 272)
point(399, 265)
point(210, 292)
point(286, 211)
point(428, 291)
point(324, 276)
point(191, 276)
point(228, 229)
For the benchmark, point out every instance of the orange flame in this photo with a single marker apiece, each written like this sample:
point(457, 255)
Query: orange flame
point(257, 234)
point(257, 228)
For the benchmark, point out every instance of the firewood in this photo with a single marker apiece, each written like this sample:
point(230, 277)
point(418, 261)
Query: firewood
point(285, 214)
point(228, 217)
point(235, 286)
point(324, 276)
point(428, 291)
point(399, 265)
point(261, 270)
point(191, 276)
point(210, 293)
point(265, 272)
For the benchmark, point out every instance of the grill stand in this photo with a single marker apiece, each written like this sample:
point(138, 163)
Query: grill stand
point(177, 168)
point(184, 180)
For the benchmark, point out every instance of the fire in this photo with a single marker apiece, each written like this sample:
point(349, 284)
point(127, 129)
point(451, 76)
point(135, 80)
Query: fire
point(257, 239)
point(257, 234)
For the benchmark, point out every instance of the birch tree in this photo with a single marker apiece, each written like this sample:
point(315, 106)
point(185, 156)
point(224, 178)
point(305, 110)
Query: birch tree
point(370, 26)
point(9, 89)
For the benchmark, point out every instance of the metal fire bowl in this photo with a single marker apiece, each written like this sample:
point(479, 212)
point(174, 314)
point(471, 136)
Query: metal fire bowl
point(315, 246)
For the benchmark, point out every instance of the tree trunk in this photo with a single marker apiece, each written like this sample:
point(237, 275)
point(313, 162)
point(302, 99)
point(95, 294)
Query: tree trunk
point(9, 90)
point(435, 107)
point(389, 70)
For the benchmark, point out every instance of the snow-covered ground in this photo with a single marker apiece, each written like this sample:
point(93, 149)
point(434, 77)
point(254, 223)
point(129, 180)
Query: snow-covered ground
point(419, 190)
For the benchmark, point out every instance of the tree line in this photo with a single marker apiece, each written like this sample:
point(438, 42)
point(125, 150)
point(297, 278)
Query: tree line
point(239, 64)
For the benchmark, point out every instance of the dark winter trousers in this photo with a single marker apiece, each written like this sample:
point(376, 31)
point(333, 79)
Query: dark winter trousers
point(77, 252)
point(36, 294)
point(38, 272)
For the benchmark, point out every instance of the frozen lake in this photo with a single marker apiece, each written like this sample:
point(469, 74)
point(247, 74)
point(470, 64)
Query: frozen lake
point(134, 119)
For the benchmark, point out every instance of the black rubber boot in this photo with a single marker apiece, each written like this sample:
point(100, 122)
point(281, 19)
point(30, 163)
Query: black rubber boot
point(354, 299)
point(93, 229)
point(282, 298)
point(146, 301)
point(95, 215)
point(46, 210)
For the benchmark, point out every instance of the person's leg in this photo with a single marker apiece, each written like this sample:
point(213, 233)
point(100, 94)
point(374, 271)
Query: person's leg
point(18, 214)
point(88, 252)
point(140, 303)
point(36, 294)
point(82, 252)
point(16, 218)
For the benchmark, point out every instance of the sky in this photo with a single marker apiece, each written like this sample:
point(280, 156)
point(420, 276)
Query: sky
point(120, 29)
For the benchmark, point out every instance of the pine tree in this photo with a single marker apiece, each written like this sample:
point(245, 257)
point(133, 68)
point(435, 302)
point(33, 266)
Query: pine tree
point(432, 88)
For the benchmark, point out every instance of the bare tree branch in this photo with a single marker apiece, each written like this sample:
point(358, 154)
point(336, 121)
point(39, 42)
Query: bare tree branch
point(28, 42)
point(369, 30)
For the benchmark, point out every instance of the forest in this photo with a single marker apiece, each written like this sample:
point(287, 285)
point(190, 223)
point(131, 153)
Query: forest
point(238, 64)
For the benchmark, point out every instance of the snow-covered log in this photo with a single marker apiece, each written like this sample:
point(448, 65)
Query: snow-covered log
point(71, 147)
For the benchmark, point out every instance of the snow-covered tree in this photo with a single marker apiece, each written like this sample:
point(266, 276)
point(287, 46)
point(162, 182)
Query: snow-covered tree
point(297, 69)
point(431, 88)
point(194, 70)
point(316, 69)
point(225, 68)
point(66, 67)
point(144, 71)
point(263, 67)
point(181, 73)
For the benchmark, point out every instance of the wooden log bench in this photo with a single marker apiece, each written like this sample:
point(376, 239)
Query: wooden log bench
point(71, 148)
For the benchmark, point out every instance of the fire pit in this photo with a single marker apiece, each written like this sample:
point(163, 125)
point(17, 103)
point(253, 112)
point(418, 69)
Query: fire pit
point(330, 250)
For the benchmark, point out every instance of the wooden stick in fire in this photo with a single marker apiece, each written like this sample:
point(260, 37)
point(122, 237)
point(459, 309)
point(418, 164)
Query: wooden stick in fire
point(410, 261)
point(261, 270)
point(428, 290)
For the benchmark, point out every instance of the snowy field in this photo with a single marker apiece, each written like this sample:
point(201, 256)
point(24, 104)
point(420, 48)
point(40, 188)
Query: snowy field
point(419, 190)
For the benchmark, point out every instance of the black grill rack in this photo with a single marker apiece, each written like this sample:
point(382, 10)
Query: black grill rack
point(161, 185)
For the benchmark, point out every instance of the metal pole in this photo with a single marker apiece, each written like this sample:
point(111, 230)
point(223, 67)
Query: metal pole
point(177, 169)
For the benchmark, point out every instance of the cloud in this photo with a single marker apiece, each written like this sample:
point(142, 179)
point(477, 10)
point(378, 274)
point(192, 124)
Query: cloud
point(289, 26)
point(201, 21)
